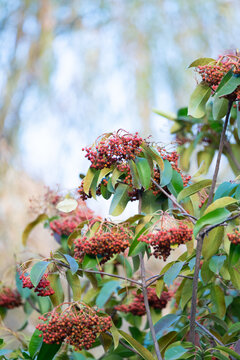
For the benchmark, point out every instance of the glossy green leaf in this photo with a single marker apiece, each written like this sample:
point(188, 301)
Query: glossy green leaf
point(216, 263)
point(172, 273)
point(106, 291)
point(120, 200)
point(55, 283)
point(192, 189)
point(220, 107)
point(220, 203)
point(218, 300)
point(198, 100)
point(213, 218)
point(37, 271)
point(229, 87)
point(74, 283)
point(72, 263)
point(31, 226)
point(137, 346)
point(115, 335)
point(223, 190)
point(166, 174)
point(234, 254)
point(104, 192)
point(87, 181)
point(201, 62)
point(175, 352)
point(228, 351)
point(176, 184)
point(93, 187)
point(224, 81)
point(48, 351)
point(212, 242)
point(186, 293)
point(89, 262)
point(35, 343)
point(144, 171)
point(44, 304)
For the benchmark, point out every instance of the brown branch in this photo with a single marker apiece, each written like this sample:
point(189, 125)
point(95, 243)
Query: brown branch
point(220, 150)
point(209, 333)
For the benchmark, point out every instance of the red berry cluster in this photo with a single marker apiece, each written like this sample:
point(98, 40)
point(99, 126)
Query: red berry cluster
point(67, 223)
point(114, 149)
point(10, 298)
point(78, 327)
point(105, 243)
point(42, 289)
point(162, 240)
point(137, 306)
point(234, 237)
point(213, 73)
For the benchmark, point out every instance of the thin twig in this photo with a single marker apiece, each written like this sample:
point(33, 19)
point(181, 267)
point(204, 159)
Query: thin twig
point(173, 199)
point(123, 344)
point(156, 277)
point(220, 150)
point(149, 317)
point(209, 333)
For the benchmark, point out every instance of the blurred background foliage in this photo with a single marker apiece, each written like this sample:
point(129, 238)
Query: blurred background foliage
point(71, 70)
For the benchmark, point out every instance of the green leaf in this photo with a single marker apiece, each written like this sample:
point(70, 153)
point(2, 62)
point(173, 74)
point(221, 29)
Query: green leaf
point(89, 262)
point(35, 343)
point(186, 293)
point(234, 328)
point(234, 272)
point(220, 203)
point(106, 291)
point(67, 205)
point(216, 263)
point(76, 233)
point(229, 87)
point(234, 254)
point(30, 226)
point(218, 300)
point(220, 356)
point(159, 287)
point(223, 190)
point(164, 323)
point(228, 351)
point(220, 107)
point(192, 189)
point(144, 171)
point(224, 81)
point(104, 192)
point(168, 115)
point(93, 187)
point(201, 62)
point(24, 292)
point(177, 182)
point(137, 346)
point(115, 335)
point(175, 352)
point(213, 218)
point(172, 273)
point(37, 271)
point(120, 200)
point(103, 173)
point(206, 273)
point(72, 263)
point(238, 121)
point(198, 100)
point(75, 284)
point(48, 351)
point(115, 176)
point(166, 174)
point(87, 181)
point(212, 242)
point(154, 154)
point(204, 159)
point(134, 173)
point(44, 304)
point(55, 283)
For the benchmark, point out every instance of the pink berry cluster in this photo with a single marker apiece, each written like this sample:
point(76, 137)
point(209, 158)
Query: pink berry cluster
point(234, 237)
point(9, 298)
point(67, 223)
point(76, 326)
point(162, 240)
point(137, 306)
point(114, 149)
point(42, 289)
point(213, 72)
point(106, 242)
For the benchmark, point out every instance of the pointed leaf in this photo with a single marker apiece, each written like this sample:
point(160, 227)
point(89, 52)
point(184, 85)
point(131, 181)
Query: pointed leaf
point(213, 218)
point(175, 352)
point(48, 351)
point(154, 154)
point(224, 81)
point(172, 273)
point(75, 284)
point(192, 189)
point(120, 200)
point(30, 226)
point(55, 283)
point(37, 271)
point(228, 351)
point(212, 242)
point(87, 181)
point(198, 100)
point(144, 171)
point(115, 335)
point(218, 300)
point(229, 87)
point(201, 62)
point(220, 203)
point(35, 343)
point(168, 115)
point(220, 106)
point(72, 263)
point(137, 346)
point(166, 174)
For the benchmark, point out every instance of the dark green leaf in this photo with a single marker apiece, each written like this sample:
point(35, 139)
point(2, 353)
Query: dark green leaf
point(120, 200)
point(218, 300)
point(48, 351)
point(224, 81)
point(144, 171)
point(35, 343)
point(234, 254)
point(228, 351)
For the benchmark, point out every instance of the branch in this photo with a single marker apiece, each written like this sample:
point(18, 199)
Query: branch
point(209, 333)
point(156, 277)
point(99, 272)
point(149, 317)
point(220, 150)
point(173, 199)
point(123, 344)
point(229, 150)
